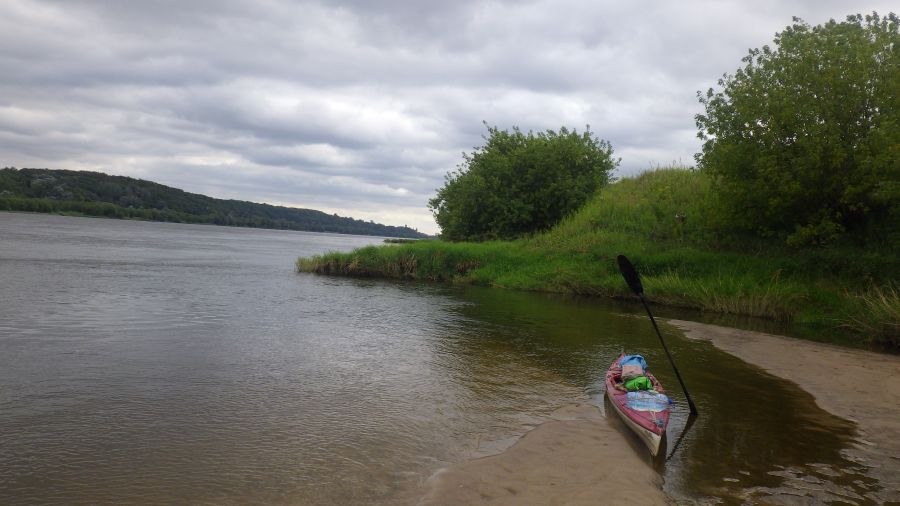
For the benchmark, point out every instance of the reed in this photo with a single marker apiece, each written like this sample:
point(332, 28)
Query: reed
point(879, 317)
point(730, 294)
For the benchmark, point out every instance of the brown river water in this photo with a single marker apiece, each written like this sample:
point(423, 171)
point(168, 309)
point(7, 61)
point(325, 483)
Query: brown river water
point(151, 363)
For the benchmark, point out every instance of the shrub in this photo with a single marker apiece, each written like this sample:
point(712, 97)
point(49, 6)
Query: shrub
point(804, 138)
point(521, 183)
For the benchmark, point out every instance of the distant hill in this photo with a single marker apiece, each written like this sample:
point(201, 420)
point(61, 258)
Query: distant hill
point(98, 194)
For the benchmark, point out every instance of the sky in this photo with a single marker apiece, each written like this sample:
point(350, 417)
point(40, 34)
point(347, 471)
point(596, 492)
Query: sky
point(360, 107)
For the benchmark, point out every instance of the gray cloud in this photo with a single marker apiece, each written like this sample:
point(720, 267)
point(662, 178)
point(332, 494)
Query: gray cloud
point(357, 107)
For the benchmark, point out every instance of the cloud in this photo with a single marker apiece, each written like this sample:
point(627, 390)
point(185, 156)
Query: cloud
point(357, 107)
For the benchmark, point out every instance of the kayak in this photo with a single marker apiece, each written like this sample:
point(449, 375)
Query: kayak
point(646, 413)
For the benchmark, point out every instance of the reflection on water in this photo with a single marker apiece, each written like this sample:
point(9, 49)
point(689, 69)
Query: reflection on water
point(759, 438)
point(147, 362)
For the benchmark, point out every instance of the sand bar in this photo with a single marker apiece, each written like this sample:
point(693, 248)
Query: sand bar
point(576, 458)
point(860, 386)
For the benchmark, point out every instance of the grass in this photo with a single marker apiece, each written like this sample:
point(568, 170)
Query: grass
point(879, 317)
point(665, 222)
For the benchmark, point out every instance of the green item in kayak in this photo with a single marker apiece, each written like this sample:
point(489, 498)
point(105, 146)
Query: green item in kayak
point(638, 383)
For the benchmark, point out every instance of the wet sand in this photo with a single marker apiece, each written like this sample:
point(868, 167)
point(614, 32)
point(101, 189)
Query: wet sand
point(576, 458)
point(858, 385)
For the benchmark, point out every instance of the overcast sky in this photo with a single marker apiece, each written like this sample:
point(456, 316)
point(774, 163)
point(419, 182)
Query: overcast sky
point(358, 107)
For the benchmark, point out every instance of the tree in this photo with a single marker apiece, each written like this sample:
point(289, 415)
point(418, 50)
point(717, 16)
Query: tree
point(519, 183)
point(805, 137)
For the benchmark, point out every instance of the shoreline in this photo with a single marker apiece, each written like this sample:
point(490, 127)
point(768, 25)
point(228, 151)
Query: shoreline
point(687, 265)
point(857, 385)
point(557, 462)
point(74, 214)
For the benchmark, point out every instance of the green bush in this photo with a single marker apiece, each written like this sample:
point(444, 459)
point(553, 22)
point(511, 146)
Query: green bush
point(521, 183)
point(805, 138)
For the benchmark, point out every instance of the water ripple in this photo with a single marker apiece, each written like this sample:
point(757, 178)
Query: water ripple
point(160, 363)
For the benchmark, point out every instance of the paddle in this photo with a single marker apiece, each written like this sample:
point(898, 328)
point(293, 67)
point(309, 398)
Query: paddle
point(631, 277)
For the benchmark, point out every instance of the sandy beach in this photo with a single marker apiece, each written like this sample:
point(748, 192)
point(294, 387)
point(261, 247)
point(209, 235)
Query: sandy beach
point(858, 385)
point(577, 457)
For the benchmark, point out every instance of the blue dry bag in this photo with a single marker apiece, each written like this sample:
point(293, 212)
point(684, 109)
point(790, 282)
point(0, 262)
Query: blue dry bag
point(634, 359)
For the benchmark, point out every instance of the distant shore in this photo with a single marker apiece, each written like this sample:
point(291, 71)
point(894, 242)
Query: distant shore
point(85, 193)
point(75, 214)
point(577, 457)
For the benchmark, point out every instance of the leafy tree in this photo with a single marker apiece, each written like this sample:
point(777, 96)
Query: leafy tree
point(805, 137)
point(519, 183)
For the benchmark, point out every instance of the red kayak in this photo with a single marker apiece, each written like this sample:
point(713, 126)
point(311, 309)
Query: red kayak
point(643, 412)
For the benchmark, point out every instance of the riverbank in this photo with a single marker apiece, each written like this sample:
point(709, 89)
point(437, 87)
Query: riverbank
point(664, 222)
point(857, 385)
point(577, 457)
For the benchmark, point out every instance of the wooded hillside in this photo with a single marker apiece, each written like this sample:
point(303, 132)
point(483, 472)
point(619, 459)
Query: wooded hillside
point(97, 194)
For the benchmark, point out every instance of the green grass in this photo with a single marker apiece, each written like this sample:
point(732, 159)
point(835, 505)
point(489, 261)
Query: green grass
point(665, 222)
point(879, 316)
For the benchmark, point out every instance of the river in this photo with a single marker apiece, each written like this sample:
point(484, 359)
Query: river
point(166, 363)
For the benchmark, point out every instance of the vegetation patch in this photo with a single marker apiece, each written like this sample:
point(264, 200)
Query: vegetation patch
point(794, 214)
point(878, 319)
point(520, 183)
point(805, 137)
point(665, 221)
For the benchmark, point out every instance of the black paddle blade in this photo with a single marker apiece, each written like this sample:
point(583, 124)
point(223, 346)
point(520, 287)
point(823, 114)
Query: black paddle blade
point(630, 275)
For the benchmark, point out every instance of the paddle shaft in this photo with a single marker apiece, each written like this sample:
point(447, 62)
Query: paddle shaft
point(666, 348)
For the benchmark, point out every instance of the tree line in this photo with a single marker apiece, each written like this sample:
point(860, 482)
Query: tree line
point(802, 143)
point(97, 194)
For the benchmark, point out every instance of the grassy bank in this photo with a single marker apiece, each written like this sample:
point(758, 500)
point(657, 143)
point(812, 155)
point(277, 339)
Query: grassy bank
point(665, 221)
